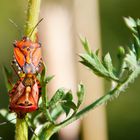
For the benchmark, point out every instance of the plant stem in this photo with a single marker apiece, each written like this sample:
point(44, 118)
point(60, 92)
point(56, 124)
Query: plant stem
point(45, 103)
point(32, 19)
point(21, 130)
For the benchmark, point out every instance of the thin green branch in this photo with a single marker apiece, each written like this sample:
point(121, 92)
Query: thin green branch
point(45, 103)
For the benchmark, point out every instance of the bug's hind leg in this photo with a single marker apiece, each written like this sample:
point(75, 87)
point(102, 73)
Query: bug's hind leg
point(12, 65)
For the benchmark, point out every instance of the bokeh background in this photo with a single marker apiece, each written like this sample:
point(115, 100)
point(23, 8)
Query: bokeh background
point(122, 117)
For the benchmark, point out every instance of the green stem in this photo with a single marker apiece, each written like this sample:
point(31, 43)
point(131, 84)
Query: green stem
point(44, 95)
point(32, 19)
point(21, 130)
point(45, 103)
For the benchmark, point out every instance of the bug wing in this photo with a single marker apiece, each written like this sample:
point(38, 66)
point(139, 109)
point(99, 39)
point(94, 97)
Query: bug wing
point(36, 57)
point(35, 93)
point(19, 56)
point(17, 93)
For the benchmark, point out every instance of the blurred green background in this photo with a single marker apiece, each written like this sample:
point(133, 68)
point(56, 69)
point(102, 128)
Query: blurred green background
point(123, 114)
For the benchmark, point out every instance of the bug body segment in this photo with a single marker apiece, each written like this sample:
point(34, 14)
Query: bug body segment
point(28, 55)
point(25, 95)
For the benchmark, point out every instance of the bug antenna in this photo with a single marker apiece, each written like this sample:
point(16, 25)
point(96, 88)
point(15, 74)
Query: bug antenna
point(35, 27)
point(6, 122)
point(19, 30)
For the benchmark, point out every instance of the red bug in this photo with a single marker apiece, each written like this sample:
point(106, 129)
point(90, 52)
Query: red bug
point(28, 55)
point(25, 95)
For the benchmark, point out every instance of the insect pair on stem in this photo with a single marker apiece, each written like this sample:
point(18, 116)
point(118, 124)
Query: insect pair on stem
point(25, 94)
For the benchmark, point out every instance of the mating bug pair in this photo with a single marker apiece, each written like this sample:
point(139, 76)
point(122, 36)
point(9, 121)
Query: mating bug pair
point(26, 92)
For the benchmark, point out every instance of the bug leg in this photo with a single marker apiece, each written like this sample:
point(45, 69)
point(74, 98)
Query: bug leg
point(40, 66)
point(9, 81)
point(12, 65)
point(31, 129)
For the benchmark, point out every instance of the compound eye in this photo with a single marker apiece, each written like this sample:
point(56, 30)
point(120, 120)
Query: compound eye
point(39, 44)
point(28, 49)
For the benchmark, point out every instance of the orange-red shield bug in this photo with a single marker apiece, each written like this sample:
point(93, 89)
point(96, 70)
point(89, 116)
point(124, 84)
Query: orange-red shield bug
point(25, 95)
point(28, 55)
